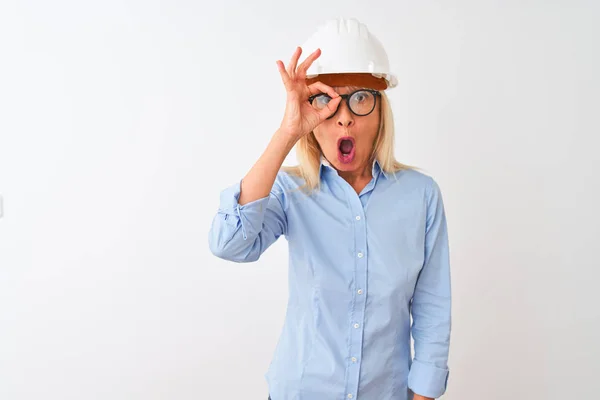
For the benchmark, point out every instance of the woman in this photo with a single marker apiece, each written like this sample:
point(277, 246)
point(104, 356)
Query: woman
point(367, 236)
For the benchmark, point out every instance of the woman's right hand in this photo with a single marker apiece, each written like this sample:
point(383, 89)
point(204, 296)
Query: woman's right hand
point(300, 116)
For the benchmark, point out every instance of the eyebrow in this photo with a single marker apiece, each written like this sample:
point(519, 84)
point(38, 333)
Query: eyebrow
point(351, 88)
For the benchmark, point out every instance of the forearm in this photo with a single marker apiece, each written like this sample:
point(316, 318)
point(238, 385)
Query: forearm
point(259, 181)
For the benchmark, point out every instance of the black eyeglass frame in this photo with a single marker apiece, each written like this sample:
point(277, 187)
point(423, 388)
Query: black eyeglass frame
point(347, 97)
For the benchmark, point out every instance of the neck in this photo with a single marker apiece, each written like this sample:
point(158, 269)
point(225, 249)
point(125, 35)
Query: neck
point(361, 174)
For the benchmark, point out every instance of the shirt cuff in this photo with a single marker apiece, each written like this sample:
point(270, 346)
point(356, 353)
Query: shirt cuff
point(249, 215)
point(427, 380)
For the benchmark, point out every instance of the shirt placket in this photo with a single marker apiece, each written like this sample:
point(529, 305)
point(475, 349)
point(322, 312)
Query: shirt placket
point(357, 313)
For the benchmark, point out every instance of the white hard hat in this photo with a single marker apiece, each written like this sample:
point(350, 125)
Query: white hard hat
point(347, 47)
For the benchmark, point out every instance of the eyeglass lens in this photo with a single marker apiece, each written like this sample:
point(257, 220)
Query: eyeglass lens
point(361, 102)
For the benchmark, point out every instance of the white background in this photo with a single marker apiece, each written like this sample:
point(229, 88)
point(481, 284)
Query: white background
point(121, 121)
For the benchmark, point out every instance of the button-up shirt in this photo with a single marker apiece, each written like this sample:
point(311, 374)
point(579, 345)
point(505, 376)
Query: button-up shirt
point(360, 266)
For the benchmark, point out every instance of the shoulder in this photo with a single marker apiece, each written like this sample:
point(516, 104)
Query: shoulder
point(286, 187)
point(286, 182)
point(419, 186)
point(413, 179)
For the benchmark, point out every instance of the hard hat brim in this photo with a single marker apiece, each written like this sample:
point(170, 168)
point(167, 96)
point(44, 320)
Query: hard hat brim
point(365, 80)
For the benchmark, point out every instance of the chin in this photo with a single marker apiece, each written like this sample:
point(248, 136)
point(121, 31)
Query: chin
point(345, 166)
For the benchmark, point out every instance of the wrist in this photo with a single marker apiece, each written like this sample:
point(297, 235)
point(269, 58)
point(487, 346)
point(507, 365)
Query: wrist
point(287, 137)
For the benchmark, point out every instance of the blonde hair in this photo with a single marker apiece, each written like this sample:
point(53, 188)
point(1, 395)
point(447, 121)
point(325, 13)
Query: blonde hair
point(308, 152)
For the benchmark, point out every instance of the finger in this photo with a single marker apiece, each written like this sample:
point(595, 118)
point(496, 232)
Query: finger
point(305, 65)
point(291, 70)
point(330, 109)
point(320, 87)
point(284, 75)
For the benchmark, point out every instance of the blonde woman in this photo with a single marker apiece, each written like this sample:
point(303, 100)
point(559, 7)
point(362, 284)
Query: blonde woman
point(367, 234)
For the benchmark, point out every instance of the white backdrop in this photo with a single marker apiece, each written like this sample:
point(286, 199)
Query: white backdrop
point(121, 121)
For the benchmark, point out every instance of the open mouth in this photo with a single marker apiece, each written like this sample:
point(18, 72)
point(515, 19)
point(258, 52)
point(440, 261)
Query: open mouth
point(346, 149)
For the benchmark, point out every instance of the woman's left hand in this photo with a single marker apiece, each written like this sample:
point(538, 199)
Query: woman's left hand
point(419, 397)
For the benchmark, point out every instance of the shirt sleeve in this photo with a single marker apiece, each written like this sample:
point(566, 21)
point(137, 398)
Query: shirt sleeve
point(241, 233)
point(431, 305)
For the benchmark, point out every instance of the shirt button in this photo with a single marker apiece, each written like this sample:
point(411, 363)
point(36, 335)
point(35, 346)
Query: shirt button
point(360, 255)
point(353, 359)
point(358, 217)
point(359, 291)
point(350, 395)
point(356, 325)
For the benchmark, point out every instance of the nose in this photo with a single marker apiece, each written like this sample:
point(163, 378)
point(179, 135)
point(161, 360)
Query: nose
point(345, 117)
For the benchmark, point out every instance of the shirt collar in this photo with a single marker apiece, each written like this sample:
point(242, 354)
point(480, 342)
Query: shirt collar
point(325, 165)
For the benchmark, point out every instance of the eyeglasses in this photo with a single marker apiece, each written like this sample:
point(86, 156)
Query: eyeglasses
point(361, 102)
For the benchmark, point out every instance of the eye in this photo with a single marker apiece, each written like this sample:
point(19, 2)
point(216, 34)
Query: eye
point(321, 100)
point(361, 97)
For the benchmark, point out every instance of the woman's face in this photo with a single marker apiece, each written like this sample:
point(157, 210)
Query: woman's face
point(347, 139)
